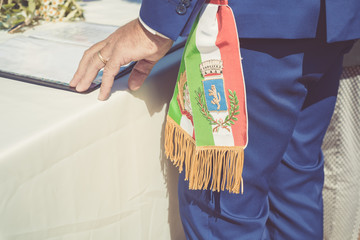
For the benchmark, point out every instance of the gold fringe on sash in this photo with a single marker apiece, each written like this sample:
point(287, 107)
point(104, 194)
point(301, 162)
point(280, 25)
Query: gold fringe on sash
point(220, 165)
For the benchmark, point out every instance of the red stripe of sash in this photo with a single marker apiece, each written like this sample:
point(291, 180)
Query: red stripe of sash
point(232, 71)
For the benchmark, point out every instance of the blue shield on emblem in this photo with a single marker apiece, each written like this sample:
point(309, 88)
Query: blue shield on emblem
point(215, 94)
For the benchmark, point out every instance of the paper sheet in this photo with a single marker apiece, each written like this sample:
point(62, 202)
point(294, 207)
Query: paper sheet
point(51, 52)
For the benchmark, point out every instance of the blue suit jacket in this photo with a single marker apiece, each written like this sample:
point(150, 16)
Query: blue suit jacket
point(286, 19)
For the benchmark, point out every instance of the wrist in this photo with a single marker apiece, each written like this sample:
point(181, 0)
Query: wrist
point(156, 43)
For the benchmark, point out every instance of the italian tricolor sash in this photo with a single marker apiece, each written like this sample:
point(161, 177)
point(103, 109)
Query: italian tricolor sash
point(206, 128)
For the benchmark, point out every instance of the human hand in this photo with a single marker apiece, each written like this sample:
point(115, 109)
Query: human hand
point(131, 42)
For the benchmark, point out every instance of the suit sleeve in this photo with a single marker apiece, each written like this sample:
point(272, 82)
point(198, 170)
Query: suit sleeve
point(162, 16)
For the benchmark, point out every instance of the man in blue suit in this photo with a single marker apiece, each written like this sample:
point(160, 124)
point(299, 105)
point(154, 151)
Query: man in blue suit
point(292, 59)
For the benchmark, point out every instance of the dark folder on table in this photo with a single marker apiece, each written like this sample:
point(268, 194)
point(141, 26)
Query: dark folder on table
point(49, 55)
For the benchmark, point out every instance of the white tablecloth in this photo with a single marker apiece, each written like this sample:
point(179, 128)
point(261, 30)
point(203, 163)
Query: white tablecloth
point(72, 167)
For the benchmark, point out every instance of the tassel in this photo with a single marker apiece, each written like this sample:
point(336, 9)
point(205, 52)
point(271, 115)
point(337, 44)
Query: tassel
point(218, 167)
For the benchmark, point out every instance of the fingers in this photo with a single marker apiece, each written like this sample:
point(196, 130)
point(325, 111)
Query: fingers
point(89, 66)
point(110, 71)
point(80, 70)
point(128, 43)
point(139, 73)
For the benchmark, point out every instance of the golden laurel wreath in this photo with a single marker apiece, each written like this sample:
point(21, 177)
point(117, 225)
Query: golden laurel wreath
point(229, 119)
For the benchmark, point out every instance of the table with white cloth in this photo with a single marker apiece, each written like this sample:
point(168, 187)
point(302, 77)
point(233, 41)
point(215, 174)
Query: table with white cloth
point(73, 167)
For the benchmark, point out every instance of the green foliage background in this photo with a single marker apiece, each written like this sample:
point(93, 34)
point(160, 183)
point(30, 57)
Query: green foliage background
point(20, 13)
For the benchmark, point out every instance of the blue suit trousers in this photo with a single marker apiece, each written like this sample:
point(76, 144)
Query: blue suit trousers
point(291, 88)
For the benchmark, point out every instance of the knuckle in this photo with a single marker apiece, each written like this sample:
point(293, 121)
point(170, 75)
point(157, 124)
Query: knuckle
point(88, 52)
point(107, 82)
point(94, 47)
point(139, 71)
point(109, 71)
point(94, 61)
point(105, 87)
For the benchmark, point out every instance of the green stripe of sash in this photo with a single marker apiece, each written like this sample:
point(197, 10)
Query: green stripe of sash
point(174, 109)
point(203, 129)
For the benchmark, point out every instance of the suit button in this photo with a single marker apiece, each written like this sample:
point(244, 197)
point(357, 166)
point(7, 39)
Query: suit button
point(186, 3)
point(181, 9)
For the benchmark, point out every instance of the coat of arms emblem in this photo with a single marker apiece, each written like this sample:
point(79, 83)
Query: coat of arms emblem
point(213, 101)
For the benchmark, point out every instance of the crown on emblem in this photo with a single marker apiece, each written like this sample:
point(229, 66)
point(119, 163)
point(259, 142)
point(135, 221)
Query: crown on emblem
point(211, 67)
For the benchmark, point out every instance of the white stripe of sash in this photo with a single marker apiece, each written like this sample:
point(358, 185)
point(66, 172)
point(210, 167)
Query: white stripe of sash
point(206, 34)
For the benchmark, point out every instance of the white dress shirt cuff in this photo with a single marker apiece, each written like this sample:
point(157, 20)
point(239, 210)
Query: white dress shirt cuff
point(150, 29)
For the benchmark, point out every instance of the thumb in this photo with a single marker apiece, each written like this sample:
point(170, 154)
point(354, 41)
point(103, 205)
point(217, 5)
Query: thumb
point(139, 73)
